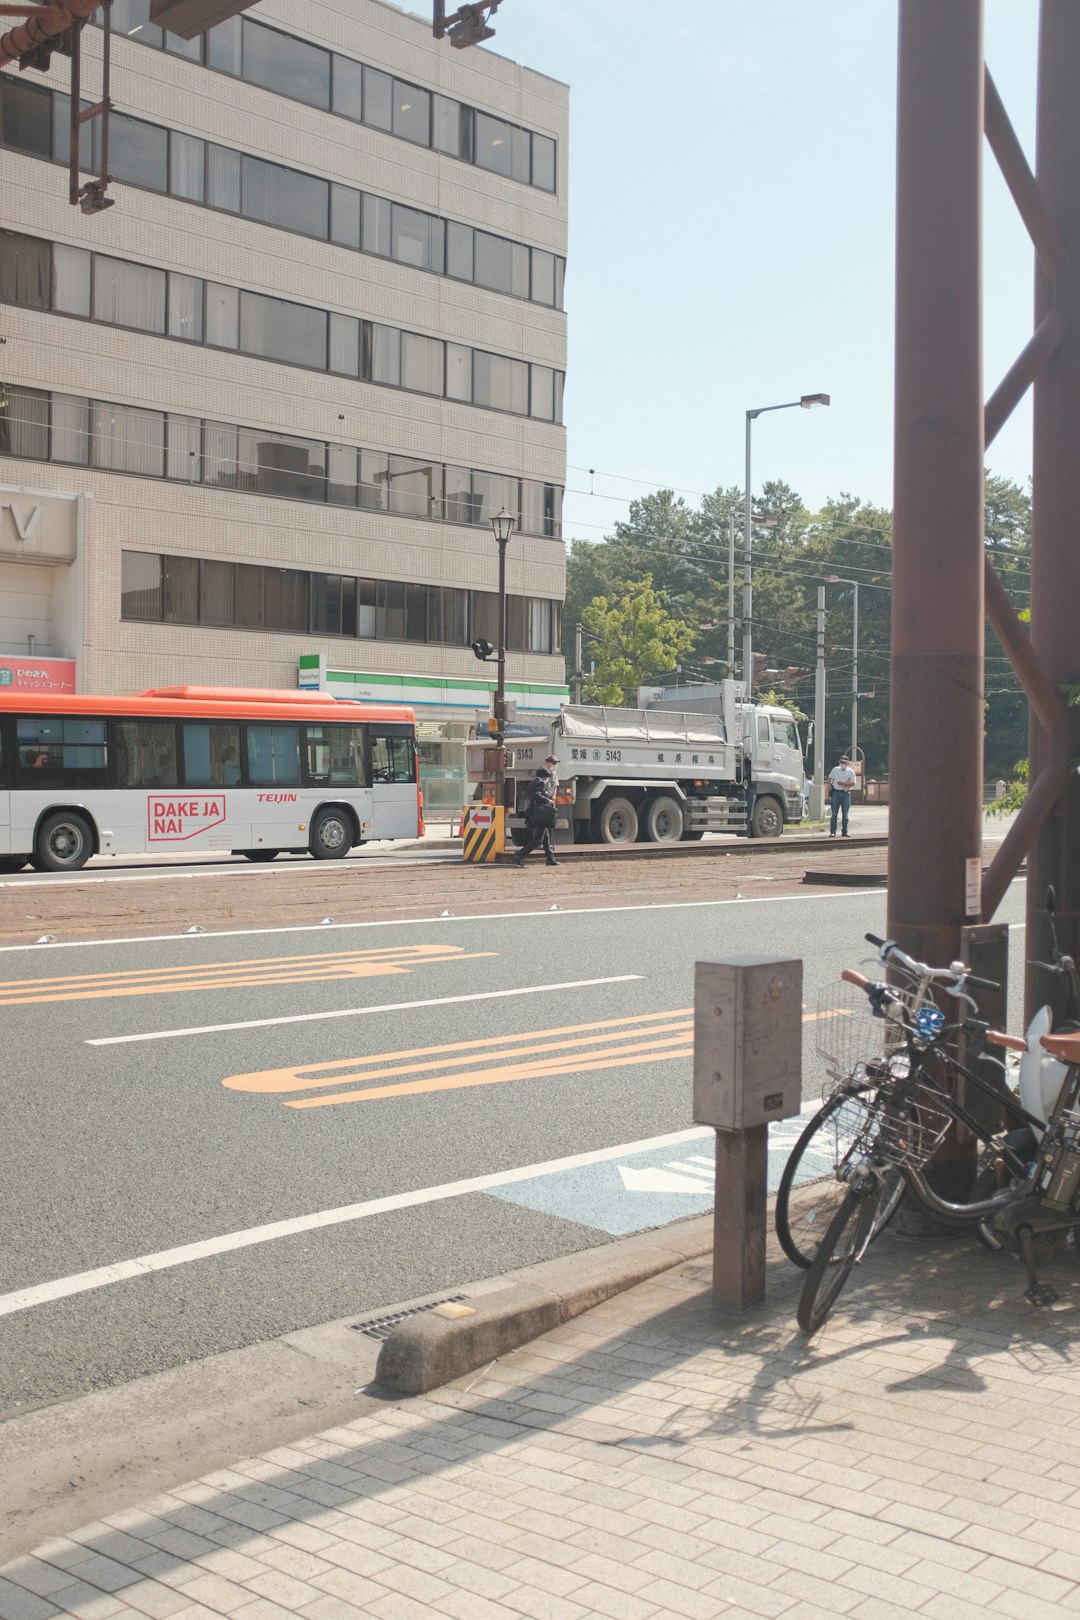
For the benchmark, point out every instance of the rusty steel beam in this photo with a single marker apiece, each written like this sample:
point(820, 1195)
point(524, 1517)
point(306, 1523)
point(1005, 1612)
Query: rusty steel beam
point(1042, 694)
point(936, 716)
point(47, 25)
point(1021, 374)
point(1001, 138)
point(1044, 795)
point(1055, 553)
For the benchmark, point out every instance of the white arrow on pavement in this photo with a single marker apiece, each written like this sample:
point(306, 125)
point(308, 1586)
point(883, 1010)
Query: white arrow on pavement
point(680, 1177)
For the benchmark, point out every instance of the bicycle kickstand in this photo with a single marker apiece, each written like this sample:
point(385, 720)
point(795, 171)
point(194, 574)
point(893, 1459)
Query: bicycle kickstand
point(1038, 1293)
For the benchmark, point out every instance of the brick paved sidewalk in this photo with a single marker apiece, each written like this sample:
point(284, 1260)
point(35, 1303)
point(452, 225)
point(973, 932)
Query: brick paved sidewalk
point(655, 1458)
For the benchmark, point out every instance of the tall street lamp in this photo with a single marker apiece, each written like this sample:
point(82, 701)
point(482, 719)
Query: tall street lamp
point(806, 402)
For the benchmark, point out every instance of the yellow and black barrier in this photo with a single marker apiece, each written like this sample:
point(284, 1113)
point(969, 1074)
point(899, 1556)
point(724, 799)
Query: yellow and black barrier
point(482, 831)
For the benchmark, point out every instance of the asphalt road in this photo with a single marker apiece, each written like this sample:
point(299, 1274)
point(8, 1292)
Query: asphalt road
point(166, 1093)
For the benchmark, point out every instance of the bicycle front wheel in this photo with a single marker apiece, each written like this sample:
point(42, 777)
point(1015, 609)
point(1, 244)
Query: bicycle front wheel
point(845, 1242)
point(809, 1194)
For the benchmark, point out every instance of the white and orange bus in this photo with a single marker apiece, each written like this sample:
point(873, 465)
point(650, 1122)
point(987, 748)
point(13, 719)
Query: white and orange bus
point(190, 768)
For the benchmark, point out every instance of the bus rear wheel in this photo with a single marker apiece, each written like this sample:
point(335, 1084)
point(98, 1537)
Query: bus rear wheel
point(331, 835)
point(65, 842)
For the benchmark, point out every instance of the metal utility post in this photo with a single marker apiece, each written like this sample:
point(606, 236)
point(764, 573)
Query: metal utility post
point(502, 526)
point(817, 796)
point(1055, 556)
point(806, 402)
point(936, 708)
point(579, 673)
point(835, 579)
point(731, 595)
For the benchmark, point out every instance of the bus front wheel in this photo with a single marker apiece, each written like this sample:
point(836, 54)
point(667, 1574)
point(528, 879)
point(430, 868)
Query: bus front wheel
point(331, 835)
point(65, 842)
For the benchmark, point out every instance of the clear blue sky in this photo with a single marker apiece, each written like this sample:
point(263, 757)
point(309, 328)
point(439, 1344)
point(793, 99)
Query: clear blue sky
point(732, 172)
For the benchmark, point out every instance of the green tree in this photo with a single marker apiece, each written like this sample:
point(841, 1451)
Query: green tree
point(634, 642)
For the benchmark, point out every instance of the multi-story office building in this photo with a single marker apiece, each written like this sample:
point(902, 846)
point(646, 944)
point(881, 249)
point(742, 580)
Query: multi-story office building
point(255, 418)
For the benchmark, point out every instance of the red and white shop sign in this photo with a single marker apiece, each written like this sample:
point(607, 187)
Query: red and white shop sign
point(37, 674)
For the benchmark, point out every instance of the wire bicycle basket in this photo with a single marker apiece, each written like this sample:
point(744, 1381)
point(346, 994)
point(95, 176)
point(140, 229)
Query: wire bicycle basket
point(847, 1035)
point(897, 1132)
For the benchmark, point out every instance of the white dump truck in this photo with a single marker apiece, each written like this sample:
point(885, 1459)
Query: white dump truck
point(661, 774)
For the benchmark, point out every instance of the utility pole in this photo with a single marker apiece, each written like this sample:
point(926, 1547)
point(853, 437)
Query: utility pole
point(579, 673)
point(817, 796)
point(731, 594)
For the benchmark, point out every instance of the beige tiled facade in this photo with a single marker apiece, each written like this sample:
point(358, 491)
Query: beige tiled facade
point(127, 512)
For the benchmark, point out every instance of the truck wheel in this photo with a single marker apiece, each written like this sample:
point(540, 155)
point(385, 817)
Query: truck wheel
point(663, 820)
point(766, 819)
point(331, 836)
point(616, 823)
point(65, 842)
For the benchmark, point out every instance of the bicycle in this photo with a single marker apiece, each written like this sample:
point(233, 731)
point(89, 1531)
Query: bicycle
point(828, 1136)
point(906, 1119)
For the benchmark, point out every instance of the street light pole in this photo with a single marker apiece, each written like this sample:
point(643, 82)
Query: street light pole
point(806, 402)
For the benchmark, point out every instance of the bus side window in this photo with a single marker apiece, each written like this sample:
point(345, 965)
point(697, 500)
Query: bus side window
point(273, 755)
point(392, 759)
point(335, 754)
point(62, 753)
point(145, 753)
point(211, 754)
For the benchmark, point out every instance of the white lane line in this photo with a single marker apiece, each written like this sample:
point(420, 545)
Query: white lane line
point(357, 1012)
point(431, 922)
point(84, 1282)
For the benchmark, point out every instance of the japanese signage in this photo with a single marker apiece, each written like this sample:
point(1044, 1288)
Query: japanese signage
point(37, 674)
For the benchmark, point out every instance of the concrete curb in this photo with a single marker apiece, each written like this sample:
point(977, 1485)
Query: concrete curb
point(745, 847)
point(430, 1349)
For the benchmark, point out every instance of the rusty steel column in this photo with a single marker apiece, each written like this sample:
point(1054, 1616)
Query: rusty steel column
point(1055, 559)
point(936, 708)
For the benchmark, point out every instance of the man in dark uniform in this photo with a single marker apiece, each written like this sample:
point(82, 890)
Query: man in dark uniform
point(540, 817)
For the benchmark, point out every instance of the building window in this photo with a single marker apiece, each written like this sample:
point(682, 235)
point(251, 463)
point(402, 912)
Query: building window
point(412, 114)
point(124, 439)
point(25, 274)
point(140, 585)
point(285, 197)
point(126, 294)
point(501, 383)
point(24, 422)
point(185, 307)
point(187, 166)
point(290, 66)
point(25, 118)
point(273, 329)
point(180, 590)
point(71, 429)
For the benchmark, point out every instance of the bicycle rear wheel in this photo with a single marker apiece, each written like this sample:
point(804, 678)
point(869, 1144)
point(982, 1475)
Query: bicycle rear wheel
point(809, 1194)
point(850, 1230)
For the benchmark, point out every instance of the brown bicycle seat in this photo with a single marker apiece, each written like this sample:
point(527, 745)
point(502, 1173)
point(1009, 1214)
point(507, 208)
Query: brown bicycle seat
point(1065, 1047)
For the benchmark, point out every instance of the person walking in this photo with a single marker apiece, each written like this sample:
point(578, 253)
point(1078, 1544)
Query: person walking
point(842, 779)
point(540, 817)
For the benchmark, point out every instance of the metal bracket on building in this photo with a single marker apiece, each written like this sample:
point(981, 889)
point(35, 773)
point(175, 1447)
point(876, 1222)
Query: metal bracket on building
point(90, 197)
point(467, 26)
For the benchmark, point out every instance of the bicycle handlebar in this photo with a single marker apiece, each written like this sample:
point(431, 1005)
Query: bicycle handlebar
point(1012, 1043)
point(957, 972)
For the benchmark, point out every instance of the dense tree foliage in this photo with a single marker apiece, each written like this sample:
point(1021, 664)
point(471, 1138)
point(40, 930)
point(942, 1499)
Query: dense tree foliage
point(671, 559)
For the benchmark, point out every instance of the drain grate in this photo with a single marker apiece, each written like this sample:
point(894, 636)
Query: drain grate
point(379, 1326)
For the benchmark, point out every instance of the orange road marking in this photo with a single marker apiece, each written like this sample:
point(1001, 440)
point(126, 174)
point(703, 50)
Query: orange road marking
point(648, 1052)
point(323, 968)
point(305, 1076)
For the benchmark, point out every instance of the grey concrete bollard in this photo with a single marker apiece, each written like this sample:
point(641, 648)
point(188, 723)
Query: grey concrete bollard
point(747, 1071)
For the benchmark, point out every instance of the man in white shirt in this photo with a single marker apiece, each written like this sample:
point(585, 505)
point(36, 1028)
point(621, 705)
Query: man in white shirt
point(843, 779)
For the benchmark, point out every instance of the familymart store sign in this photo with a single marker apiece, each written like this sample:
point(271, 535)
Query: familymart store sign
point(433, 697)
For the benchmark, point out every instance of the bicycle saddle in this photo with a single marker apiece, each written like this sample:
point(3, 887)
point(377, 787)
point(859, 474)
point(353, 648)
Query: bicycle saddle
point(1065, 1047)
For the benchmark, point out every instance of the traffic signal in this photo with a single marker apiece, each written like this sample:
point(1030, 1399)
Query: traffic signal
point(482, 649)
